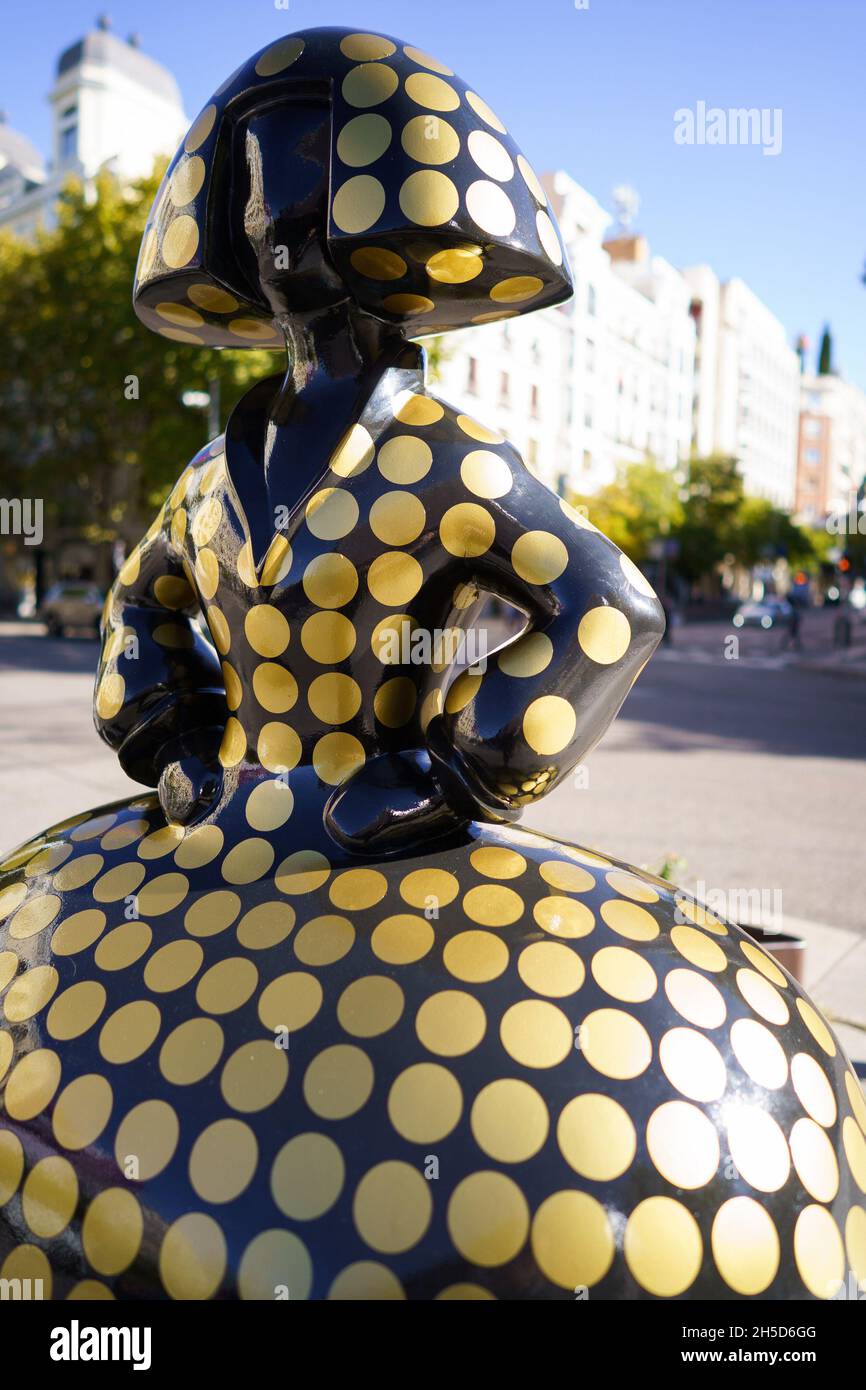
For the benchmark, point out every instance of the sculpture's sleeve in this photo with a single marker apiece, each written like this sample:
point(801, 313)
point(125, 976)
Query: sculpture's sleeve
point(509, 733)
point(159, 681)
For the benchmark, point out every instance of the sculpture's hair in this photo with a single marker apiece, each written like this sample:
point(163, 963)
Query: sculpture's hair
point(435, 220)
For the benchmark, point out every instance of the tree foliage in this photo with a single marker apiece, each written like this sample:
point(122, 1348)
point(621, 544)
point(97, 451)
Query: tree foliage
point(91, 418)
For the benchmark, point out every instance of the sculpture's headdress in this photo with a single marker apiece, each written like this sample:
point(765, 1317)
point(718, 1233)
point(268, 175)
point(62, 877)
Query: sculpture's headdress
point(435, 219)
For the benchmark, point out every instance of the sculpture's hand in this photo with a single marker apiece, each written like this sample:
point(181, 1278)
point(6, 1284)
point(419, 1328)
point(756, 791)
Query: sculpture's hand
point(392, 803)
point(191, 778)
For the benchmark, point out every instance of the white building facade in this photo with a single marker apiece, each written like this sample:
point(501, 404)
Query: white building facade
point(113, 108)
point(747, 386)
point(604, 380)
point(831, 465)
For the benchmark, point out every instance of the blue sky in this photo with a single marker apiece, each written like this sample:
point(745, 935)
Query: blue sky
point(594, 91)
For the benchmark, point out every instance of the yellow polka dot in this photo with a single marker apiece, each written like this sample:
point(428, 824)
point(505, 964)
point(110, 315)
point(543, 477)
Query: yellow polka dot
point(279, 748)
point(425, 1103)
point(429, 198)
point(698, 949)
point(572, 1240)
point(624, 973)
point(604, 634)
point(410, 408)
point(814, 1160)
point(220, 630)
point(405, 459)
point(481, 109)
point(614, 1043)
point(663, 1247)
point(269, 805)
point(496, 862)
point(227, 985)
point(328, 637)
point(745, 1246)
point(129, 1031)
point(563, 917)
point(475, 956)
point(330, 581)
point(307, 1176)
point(248, 861)
point(430, 141)
point(490, 207)
point(50, 1197)
point(338, 1082)
point(180, 242)
point(394, 702)
point(161, 842)
point(191, 1051)
point(11, 1164)
point(358, 203)
point(34, 916)
point(273, 1261)
point(370, 1006)
point(630, 886)
point(254, 1076)
point(366, 1281)
point(279, 56)
point(357, 889)
point(146, 1140)
point(394, 578)
point(201, 846)
point(78, 932)
point(451, 1023)
point(290, 1002)
point(30, 993)
point(551, 969)
point(517, 289)
point(467, 530)
point(82, 1111)
point(493, 905)
point(549, 724)
point(819, 1252)
point(119, 882)
point(331, 513)
point(266, 630)
point(488, 1219)
point(762, 962)
point(213, 299)
point(596, 1137)
point(700, 916)
point(547, 236)
point(362, 141)
point(76, 1010)
point(627, 919)
point(509, 1121)
point(266, 925)
point(813, 1089)
point(683, 1144)
point(212, 913)
point(759, 1054)
point(392, 1207)
point(173, 966)
point(758, 1148)
point(111, 1231)
point(855, 1151)
point(817, 1027)
point(192, 1257)
point(855, 1240)
point(369, 85)
point(200, 128)
point(277, 562)
point(274, 687)
point(856, 1098)
point(696, 998)
point(396, 518)
point(539, 557)
point(223, 1161)
point(692, 1064)
point(162, 894)
point(327, 939)
point(455, 266)
point(536, 1034)
point(302, 872)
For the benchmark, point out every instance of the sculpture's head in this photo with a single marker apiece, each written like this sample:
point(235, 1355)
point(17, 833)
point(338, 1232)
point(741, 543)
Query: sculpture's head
point(338, 166)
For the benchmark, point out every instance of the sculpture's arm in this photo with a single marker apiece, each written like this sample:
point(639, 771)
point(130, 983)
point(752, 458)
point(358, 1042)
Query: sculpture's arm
point(508, 735)
point(159, 700)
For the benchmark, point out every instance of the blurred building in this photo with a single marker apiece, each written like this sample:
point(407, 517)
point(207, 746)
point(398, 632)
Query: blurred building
point(831, 464)
point(603, 380)
point(747, 386)
point(113, 108)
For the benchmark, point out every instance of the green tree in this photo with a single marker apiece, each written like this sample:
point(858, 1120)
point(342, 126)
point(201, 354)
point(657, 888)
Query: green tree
point(639, 506)
point(91, 419)
point(825, 356)
point(712, 498)
point(763, 532)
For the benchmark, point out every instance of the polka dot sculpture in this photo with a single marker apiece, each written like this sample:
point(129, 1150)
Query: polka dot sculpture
point(314, 1019)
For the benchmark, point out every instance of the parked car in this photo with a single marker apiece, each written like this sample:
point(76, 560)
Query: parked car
point(766, 613)
point(71, 604)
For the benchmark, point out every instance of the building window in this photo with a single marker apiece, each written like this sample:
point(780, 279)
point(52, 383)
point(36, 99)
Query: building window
point(587, 461)
point(68, 134)
point(813, 456)
point(472, 376)
point(590, 300)
point(504, 389)
point(590, 355)
point(812, 428)
point(533, 402)
point(587, 414)
point(532, 451)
